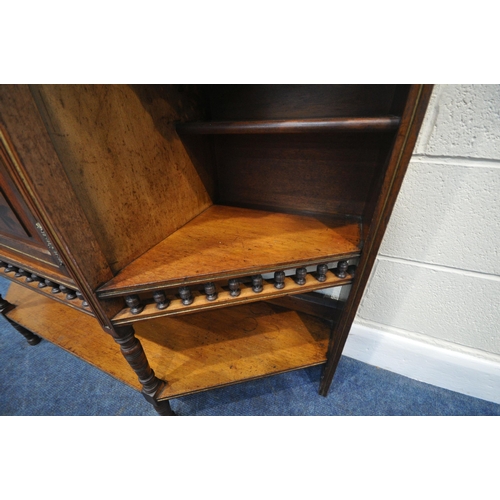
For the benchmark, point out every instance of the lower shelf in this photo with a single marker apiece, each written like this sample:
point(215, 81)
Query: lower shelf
point(69, 329)
point(193, 353)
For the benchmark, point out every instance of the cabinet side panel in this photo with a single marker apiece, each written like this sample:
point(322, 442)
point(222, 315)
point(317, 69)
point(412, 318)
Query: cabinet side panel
point(414, 112)
point(128, 168)
point(49, 196)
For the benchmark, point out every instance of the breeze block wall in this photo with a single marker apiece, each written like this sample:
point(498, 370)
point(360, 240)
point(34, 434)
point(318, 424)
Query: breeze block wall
point(437, 277)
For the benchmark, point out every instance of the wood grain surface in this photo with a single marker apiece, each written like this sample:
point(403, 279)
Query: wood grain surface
point(127, 166)
point(209, 350)
point(45, 188)
point(320, 173)
point(226, 242)
point(18, 225)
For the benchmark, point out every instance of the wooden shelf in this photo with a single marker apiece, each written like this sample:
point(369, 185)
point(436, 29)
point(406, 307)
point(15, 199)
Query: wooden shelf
point(381, 123)
point(227, 242)
point(193, 353)
point(209, 350)
point(76, 333)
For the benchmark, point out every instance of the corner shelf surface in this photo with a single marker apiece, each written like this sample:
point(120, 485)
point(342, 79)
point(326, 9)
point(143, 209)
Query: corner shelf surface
point(229, 242)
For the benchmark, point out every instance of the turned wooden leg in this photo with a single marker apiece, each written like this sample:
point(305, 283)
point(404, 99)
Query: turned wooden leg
point(5, 307)
point(163, 408)
point(133, 352)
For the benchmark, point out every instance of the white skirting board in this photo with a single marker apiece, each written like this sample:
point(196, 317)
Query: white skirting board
point(452, 370)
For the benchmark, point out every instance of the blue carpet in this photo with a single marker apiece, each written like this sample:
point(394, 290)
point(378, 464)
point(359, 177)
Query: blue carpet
point(46, 380)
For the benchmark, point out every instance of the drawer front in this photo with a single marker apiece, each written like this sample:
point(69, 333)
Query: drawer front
point(19, 231)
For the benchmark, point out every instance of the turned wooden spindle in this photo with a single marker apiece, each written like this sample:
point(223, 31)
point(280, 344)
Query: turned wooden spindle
point(186, 296)
point(211, 291)
point(55, 286)
point(279, 280)
point(82, 298)
point(234, 288)
point(352, 270)
point(162, 302)
point(41, 281)
point(341, 269)
point(321, 271)
point(20, 273)
point(70, 294)
point(300, 276)
point(257, 283)
point(135, 304)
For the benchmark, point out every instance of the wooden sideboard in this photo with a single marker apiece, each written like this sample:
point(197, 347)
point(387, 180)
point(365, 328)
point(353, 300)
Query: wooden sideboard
point(196, 228)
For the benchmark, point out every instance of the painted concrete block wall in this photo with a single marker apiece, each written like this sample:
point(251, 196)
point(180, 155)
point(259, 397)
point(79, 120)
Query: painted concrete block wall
point(437, 276)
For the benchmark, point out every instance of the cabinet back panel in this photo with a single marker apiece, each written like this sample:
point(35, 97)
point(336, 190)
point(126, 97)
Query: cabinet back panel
point(268, 102)
point(320, 173)
point(128, 168)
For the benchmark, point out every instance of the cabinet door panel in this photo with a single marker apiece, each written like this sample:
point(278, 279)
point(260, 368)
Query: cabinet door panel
point(9, 222)
point(18, 231)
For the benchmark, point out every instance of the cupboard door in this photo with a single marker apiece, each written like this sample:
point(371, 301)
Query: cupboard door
point(19, 231)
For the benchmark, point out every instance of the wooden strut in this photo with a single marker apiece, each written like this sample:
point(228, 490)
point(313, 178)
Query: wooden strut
point(5, 307)
point(133, 352)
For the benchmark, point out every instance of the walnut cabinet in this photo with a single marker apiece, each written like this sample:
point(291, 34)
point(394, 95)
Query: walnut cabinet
point(186, 237)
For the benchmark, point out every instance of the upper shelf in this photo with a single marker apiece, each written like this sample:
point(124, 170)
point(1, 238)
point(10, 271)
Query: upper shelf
point(380, 123)
point(227, 242)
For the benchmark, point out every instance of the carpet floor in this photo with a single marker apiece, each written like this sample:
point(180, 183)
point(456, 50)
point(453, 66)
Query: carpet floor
point(46, 380)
